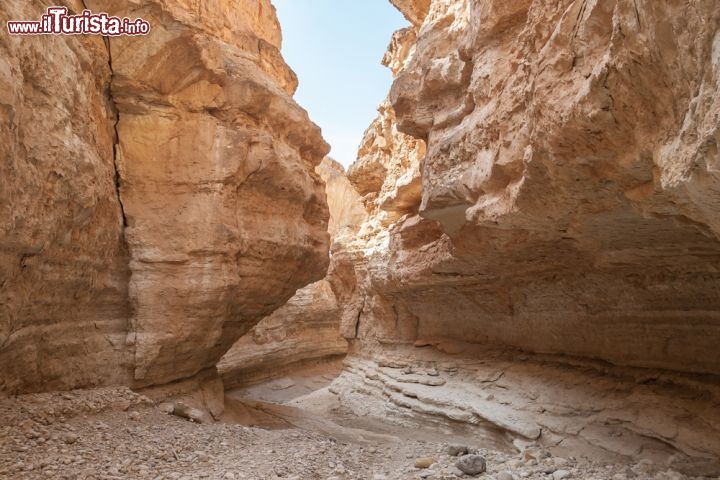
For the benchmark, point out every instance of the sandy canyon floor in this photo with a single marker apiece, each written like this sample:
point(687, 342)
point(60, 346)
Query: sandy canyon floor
point(293, 427)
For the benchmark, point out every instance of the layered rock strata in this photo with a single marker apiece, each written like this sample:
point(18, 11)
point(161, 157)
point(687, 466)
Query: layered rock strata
point(160, 198)
point(226, 216)
point(64, 273)
point(307, 328)
point(567, 202)
point(516, 401)
point(304, 330)
point(543, 177)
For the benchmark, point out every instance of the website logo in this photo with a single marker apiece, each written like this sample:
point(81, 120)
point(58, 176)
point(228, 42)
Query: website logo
point(57, 22)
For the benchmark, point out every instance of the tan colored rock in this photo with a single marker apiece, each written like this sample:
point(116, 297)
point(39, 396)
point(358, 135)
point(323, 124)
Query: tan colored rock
point(569, 191)
point(387, 174)
point(64, 272)
point(304, 330)
point(193, 414)
point(424, 462)
point(541, 402)
point(226, 216)
point(307, 328)
point(344, 202)
point(217, 218)
point(414, 10)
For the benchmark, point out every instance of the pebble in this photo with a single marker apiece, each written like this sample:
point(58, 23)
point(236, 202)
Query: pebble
point(505, 476)
point(424, 462)
point(453, 470)
point(471, 464)
point(457, 450)
point(561, 475)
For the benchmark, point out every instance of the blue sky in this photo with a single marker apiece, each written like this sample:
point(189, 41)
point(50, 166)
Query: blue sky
point(335, 47)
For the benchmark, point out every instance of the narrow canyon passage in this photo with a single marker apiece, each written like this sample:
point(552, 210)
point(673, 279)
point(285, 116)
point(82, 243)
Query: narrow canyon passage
point(516, 278)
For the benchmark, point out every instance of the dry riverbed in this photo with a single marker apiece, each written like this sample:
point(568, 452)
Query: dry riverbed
point(117, 434)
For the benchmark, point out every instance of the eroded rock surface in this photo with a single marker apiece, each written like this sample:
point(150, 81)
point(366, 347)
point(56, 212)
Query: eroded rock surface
point(161, 195)
point(304, 329)
point(567, 190)
point(307, 327)
point(541, 177)
point(570, 407)
point(226, 216)
point(64, 308)
point(115, 433)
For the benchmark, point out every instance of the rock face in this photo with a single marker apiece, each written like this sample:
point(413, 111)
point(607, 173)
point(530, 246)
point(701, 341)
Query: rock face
point(568, 199)
point(303, 330)
point(307, 328)
point(512, 400)
point(64, 309)
point(543, 177)
point(226, 217)
point(162, 197)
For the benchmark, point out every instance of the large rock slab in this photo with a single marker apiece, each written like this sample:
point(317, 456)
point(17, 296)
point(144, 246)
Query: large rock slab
point(569, 191)
point(159, 194)
point(307, 328)
point(64, 308)
point(225, 214)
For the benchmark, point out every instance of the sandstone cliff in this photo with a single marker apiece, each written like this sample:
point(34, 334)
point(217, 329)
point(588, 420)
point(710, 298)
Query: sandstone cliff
point(64, 310)
point(568, 199)
point(543, 177)
point(159, 194)
point(307, 328)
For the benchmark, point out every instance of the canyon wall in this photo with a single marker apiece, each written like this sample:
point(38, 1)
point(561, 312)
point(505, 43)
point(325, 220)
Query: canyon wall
point(567, 200)
point(541, 254)
point(64, 310)
point(159, 194)
point(307, 328)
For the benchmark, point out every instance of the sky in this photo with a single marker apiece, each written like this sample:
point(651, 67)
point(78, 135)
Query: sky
point(335, 48)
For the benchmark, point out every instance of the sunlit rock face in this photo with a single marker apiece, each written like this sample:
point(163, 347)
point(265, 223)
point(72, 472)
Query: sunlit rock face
point(568, 195)
point(226, 216)
point(64, 273)
point(162, 194)
point(307, 328)
point(542, 195)
point(301, 332)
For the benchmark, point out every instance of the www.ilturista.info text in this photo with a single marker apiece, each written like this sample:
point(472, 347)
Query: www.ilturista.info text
point(57, 22)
